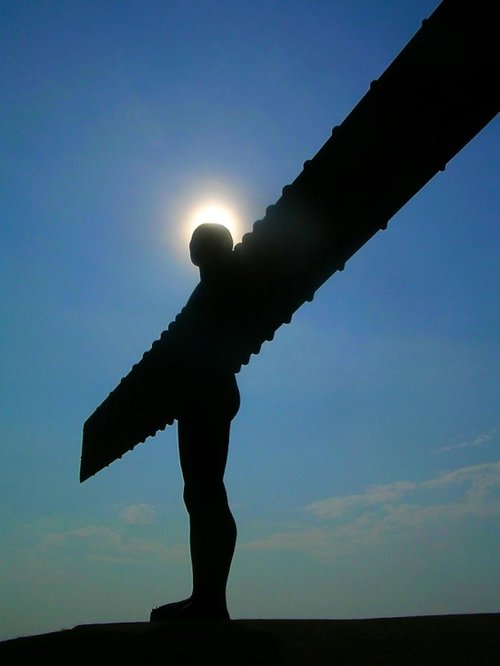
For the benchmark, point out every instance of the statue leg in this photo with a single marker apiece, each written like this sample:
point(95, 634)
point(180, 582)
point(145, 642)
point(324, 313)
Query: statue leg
point(203, 450)
point(203, 454)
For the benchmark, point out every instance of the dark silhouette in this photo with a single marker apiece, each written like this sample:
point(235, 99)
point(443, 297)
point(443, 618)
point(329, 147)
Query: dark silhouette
point(446, 640)
point(188, 376)
point(439, 92)
point(207, 401)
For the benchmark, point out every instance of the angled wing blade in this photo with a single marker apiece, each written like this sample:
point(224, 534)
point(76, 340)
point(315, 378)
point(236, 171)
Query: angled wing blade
point(438, 93)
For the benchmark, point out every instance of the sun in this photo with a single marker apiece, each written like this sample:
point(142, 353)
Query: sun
point(211, 210)
point(214, 213)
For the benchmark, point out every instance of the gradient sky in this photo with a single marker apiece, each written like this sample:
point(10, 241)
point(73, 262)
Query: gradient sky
point(364, 471)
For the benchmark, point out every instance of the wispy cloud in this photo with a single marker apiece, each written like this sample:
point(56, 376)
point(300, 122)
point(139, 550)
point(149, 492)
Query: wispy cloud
point(334, 507)
point(139, 514)
point(402, 510)
point(106, 543)
point(478, 441)
point(471, 478)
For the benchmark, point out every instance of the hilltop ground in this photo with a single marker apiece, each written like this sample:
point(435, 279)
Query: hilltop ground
point(458, 640)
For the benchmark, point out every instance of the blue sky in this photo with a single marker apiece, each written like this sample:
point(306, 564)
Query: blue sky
point(364, 470)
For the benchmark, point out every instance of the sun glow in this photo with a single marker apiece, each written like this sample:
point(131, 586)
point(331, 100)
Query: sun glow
point(214, 213)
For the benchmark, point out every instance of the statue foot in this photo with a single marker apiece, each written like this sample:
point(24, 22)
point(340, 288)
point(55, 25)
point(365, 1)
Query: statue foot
point(167, 611)
point(188, 610)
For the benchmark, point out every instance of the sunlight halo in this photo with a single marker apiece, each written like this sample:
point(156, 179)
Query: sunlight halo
point(213, 212)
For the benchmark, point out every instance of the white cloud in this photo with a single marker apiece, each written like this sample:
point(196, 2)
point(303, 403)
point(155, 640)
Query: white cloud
point(139, 514)
point(478, 441)
point(338, 506)
point(402, 511)
point(478, 478)
point(105, 543)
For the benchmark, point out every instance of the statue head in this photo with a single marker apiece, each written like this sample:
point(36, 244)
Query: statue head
point(210, 243)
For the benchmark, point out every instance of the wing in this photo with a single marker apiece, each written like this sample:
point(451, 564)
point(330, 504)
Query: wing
point(438, 93)
point(137, 408)
point(432, 100)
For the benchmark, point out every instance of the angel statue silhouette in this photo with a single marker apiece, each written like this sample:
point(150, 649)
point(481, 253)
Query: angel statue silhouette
point(437, 94)
point(189, 378)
